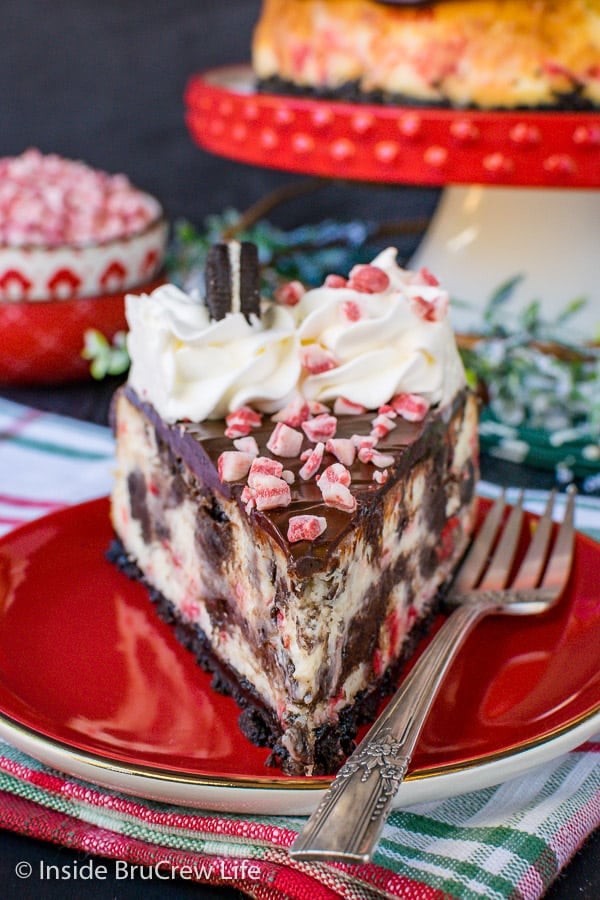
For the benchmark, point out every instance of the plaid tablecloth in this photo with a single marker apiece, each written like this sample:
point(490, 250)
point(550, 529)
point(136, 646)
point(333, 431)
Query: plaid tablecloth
point(508, 841)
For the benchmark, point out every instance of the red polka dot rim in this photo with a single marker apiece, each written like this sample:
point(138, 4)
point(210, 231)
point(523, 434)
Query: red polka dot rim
point(390, 144)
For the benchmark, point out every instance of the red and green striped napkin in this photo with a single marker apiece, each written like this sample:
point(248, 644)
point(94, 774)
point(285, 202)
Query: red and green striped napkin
point(507, 841)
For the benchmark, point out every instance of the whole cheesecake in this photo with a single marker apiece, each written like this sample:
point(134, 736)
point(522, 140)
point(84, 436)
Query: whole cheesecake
point(296, 484)
point(462, 53)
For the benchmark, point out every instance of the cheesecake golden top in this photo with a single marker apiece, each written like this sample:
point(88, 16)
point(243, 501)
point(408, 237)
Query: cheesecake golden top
point(484, 53)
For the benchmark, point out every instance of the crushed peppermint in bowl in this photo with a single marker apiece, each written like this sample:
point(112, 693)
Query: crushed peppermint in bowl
point(68, 230)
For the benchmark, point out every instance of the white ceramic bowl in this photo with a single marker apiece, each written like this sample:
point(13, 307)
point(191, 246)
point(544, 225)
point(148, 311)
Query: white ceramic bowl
point(41, 273)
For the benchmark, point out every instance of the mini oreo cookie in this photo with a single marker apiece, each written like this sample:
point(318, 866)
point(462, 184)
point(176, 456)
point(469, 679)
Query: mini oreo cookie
point(249, 279)
point(232, 279)
point(217, 276)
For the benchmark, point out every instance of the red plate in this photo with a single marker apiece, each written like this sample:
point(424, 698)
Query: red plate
point(42, 341)
point(84, 661)
point(390, 144)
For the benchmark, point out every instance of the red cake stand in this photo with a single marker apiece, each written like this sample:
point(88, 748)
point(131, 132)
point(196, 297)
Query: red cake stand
point(521, 188)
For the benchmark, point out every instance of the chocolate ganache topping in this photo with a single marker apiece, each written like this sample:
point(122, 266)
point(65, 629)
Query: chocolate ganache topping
point(308, 412)
point(200, 444)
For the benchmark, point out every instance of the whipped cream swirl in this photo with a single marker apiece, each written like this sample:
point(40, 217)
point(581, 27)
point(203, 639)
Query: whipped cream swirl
point(397, 340)
point(191, 367)
point(345, 341)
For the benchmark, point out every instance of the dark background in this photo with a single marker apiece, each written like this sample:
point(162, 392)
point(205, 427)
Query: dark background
point(103, 81)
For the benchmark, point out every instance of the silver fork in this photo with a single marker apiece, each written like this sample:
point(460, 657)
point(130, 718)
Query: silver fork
point(347, 824)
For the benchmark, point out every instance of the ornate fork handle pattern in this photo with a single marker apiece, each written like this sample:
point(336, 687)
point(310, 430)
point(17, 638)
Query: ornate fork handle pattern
point(348, 822)
point(349, 819)
point(385, 759)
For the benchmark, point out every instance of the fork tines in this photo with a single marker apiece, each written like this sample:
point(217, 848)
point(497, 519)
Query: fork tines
point(489, 562)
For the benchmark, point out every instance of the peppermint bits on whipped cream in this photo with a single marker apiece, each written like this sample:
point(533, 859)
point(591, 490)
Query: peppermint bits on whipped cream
point(364, 358)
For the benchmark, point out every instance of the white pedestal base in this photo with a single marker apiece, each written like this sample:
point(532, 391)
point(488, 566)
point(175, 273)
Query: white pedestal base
point(482, 236)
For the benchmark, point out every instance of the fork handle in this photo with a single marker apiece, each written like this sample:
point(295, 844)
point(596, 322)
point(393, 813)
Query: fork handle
point(347, 824)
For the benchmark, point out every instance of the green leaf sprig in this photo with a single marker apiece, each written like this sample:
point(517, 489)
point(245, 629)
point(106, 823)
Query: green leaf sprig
point(533, 374)
point(105, 358)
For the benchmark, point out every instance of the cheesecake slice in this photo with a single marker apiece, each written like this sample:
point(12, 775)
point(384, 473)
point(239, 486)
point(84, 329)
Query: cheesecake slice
point(490, 54)
point(300, 545)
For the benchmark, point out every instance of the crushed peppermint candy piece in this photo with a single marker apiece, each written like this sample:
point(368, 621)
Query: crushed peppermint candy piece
point(48, 200)
point(305, 528)
point(344, 407)
point(411, 407)
point(233, 465)
point(423, 276)
point(269, 492)
point(380, 476)
point(362, 441)
point(245, 415)
point(368, 279)
point(336, 473)
point(433, 310)
point(312, 461)
point(285, 441)
point(247, 497)
point(264, 465)
point(378, 432)
point(288, 476)
point(375, 457)
point(351, 310)
point(335, 281)
point(382, 425)
point(290, 294)
point(240, 422)
point(343, 449)
point(321, 428)
point(316, 407)
point(365, 454)
point(316, 359)
point(293, 413)
point(338, 496)
point(237, 431)
point(247, 445)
